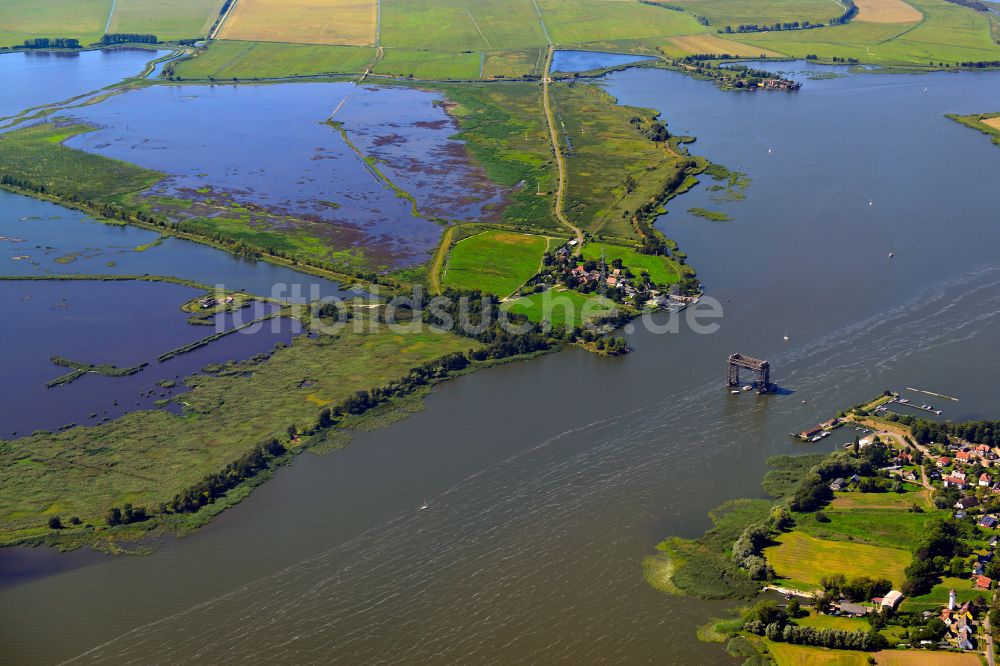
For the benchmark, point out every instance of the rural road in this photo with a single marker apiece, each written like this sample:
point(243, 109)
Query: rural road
point(560, 162)
point(989, 642)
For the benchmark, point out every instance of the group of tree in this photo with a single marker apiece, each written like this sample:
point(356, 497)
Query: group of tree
point(861, 588)
point(125, 515)
point(52, 43)
point(766, 618)
point(933, 554)
point(128, 38)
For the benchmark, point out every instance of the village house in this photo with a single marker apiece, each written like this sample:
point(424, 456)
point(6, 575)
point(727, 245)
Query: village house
point(981, 582)
point(964, 456)
point(943, 461)
point(852, 610)
point(953, 481)
point(892, 599)
point(837, 485)
point(967, 503)
point(985, 480)
point(988, 521)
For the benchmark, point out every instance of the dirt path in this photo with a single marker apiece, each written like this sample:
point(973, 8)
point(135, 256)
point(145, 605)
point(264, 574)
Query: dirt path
point(437, 263)
point(557, 151)
point(222, 21)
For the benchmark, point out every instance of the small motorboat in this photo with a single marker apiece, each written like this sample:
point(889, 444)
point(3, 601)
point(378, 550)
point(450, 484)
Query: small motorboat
point(425, 506)
point(892, 254)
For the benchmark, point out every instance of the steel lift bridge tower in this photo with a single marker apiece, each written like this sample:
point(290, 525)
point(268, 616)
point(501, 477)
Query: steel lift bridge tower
point(761, 368)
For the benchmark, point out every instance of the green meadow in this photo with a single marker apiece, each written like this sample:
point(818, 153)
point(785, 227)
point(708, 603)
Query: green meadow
point(177, 19)
point(734, 12)
point(429, 65)
point(662, 270)
point(802, 560)
point(561, 307)
point(79, 19)
point(249, 60)
point(497, 262)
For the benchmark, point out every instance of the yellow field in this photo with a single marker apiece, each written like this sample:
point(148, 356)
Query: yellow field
point(804, 560)
point(920, 657)
point(709, 43)
point(786, 654)
point(350, 22)
point(886, 11)
point(992, 122)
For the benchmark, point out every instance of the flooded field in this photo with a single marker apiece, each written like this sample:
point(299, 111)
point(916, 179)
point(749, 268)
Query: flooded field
point(124, 324)
point(584, 61)
point(39, 238)
point(299, 177)
point(31, 78)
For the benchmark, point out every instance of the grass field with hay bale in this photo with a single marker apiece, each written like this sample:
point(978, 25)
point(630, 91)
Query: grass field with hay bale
point(348, 22)
point(248, 60)
point(496, 262)
point(803, 560)
point(177, 19)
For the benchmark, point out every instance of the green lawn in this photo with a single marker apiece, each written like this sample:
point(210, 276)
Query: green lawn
point(662, 270)
point(177, 19)
point(247, 60)
point(881, 527)
point(80, 19)
point(938, 596)
point(147, 457)
point(561, 307)
point(497, 262)
point(897, 501)
point(803, 560)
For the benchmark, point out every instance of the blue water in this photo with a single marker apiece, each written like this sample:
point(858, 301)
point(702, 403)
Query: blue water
point(38, 238)
point(120, 323)
point(261, 154)
point(31, 78)
point(584, 61)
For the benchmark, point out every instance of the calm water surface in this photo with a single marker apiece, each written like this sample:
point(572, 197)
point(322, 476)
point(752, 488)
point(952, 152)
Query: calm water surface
point(549, 481)
point(38, 238)
point(584, 61)
point(31, 78)
point(299, 175)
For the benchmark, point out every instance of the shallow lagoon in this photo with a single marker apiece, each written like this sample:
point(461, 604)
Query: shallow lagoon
point(585, 61)
point(123, 324)
point(299, 174)
point(31, 78)
point(39, 238)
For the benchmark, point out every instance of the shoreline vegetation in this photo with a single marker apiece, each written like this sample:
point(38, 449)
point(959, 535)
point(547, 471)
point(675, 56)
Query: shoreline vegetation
point(873, 519)
point(80, 369)
point(987, 123)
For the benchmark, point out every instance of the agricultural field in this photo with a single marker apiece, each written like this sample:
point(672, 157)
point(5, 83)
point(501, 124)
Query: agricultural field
point(250, 60)
point(577, 22)
point(948, 33)
point(834, 622)
point(510, 64)
point(461, 25)
point(348, 22)
point(177, 19)
point(760, 12)
point(25, 19)
point(886, 11)
point(613, 168)
point(786, 654)
point(897, 501)
point(147, 457)
point(496, 262)
point(803, 560)
point(678, 47)
point(561, 307)
point(662, 271)
point(430, 65)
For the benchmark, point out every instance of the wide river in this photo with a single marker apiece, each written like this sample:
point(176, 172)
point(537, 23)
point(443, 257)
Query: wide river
point(549, 481)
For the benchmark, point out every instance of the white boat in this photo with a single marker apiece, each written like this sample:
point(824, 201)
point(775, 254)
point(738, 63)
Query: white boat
point(925, 88)
point(747, 388)
point(425, 506)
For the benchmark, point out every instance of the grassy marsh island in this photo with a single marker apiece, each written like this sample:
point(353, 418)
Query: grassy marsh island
point(987, 123)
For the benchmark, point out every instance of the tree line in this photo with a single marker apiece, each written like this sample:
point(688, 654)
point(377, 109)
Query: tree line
point(128, 38)
point(52, 43)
